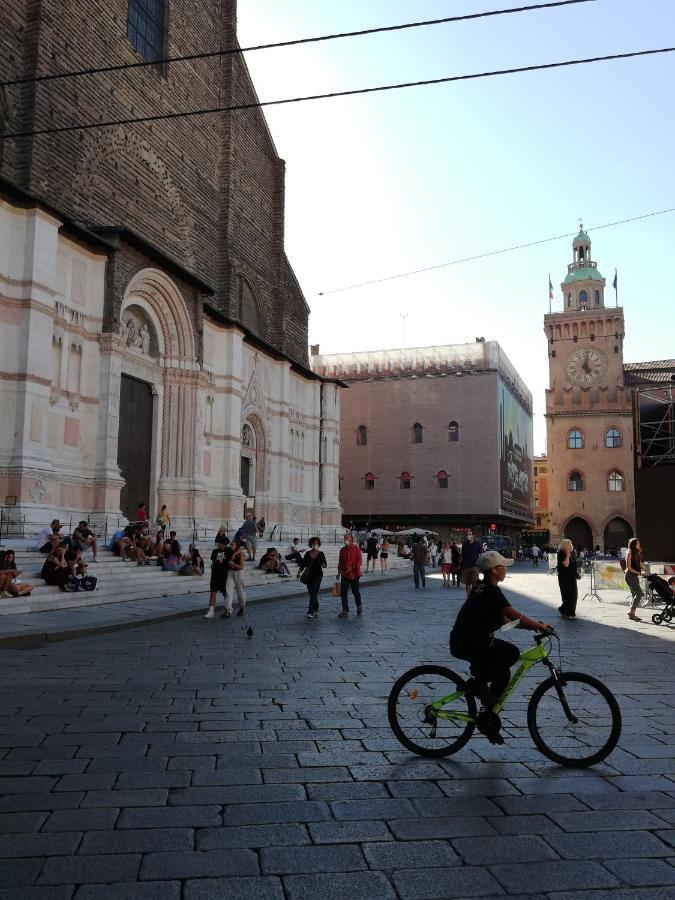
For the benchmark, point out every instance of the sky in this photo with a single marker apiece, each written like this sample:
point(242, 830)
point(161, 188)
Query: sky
point(387, 183)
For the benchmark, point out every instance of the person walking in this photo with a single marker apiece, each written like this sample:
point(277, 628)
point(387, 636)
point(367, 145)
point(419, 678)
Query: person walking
point(534, 550)
point(419, 557)
point(371, 551)
point(250, 530)
point(234, 581)
point(311, 568)
point(634, 570)
point(468, 561)
point(456, 551)
point(384, 556)
point(567, 579)
point(446, 564)
point(433, 554)
point(220, 564)
point(164, 519)
point(349, 573)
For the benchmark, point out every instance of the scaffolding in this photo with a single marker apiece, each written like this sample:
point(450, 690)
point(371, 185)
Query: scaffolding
point(655, 425)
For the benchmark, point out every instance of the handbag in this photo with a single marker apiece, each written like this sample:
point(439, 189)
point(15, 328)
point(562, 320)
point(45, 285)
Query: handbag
point(304, 577)
point(336, 591)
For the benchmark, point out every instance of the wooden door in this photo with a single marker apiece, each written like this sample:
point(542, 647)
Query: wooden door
point(134, 444)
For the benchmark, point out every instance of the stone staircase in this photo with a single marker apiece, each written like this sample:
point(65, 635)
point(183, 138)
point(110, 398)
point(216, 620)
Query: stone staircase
point(120, 581)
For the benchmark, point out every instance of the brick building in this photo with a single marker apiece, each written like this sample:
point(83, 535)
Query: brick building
point(154, 336)
point(436, 436)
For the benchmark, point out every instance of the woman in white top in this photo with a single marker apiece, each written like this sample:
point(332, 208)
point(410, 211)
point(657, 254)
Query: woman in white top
point(446, 564)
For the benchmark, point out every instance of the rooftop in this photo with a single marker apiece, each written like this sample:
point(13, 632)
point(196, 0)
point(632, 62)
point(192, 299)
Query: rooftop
point(660, 371)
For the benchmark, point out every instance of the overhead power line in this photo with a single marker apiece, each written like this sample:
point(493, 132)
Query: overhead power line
point(230, 51)
point(164, 117)
point(465, 259)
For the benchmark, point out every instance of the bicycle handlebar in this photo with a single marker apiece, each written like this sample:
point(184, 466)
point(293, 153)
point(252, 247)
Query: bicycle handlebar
point(546, 633)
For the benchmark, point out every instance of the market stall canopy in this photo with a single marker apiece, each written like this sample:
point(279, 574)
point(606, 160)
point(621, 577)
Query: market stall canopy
point(413, 531)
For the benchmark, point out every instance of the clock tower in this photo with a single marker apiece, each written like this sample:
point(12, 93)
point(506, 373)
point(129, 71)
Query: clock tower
point(589, 415)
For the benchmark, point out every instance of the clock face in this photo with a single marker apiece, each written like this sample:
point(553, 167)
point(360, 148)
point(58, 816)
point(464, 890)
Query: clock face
point(586, 366)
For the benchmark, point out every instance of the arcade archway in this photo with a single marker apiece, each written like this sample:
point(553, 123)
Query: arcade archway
point(579, 532)
point(617, 534)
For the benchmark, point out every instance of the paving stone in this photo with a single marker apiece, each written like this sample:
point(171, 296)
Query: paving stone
point(263, 888)
point(554, 876)
point(148, 890)
point(609, 845)
point(28, 802)
point(86, 782)
point(270, 813)
point(654, 800)
point(329, 773)
point(133, 781)
point(642, 783)
point(349, 832)
point(19, 872)
point(642, 872)
point(170, 817)
point(16, 823)
point(351, 790)
point(411, 855)
point(149, 797)
point(306, 860)
point(485, 851)
point(610, 820)
point(90, 869)
point(143, 840)
point(60, 766)
point(626, 894)
point(440, 884)
point(477, 787)
point(31, 784)
point(81, 820)
point(249, 793)
point(412, 789)
point(438, 827)
point(543, 803)
point(254, 836)
point(372, 809)
point(568, 785)
point(199, 864)
point(533, 824)
point(38, 893)
point(456, 806)
point(338, 886)
point(15, 845)
point(231, 775)
point(668, 837)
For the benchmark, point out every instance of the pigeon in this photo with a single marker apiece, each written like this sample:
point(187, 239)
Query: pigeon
point(249, 632)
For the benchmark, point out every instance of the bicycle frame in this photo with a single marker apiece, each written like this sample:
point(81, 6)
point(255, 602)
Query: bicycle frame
point(528, 659)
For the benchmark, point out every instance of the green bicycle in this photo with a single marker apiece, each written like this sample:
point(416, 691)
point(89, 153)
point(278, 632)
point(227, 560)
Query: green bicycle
point(573, 718)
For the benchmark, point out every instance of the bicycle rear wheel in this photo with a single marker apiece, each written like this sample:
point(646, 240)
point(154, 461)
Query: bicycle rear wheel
point(582, 734)
point(422, 728)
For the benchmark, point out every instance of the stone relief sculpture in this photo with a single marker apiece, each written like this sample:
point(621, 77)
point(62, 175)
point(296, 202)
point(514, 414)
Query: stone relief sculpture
point(135, 334)
point(247, 437)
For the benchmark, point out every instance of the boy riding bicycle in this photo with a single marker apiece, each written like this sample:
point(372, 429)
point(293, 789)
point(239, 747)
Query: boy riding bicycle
point(473, 639)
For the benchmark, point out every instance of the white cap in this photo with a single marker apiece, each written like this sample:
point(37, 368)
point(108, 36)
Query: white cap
point(490, 559)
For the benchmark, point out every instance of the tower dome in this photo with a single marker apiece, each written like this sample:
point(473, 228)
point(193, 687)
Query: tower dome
point(584, 286)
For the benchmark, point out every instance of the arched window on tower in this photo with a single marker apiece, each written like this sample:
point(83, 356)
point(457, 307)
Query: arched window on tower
point(615, 482)
point(613, 438)
point(596, 298)
point(404, 481)
point(583, 299)
point(361, 436)
point(369, 481)
point(569, 300)
point(249, 311)
point(417, 433)
point(575, 481)
point(442, 477)
point(453, 432)
point(575, 440)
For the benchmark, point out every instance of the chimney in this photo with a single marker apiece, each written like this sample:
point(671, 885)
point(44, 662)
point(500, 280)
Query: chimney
point(314, 350)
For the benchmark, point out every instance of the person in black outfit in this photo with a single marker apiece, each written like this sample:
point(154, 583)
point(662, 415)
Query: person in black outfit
point(313, 565)
point(220, 566)
point(567, 579)
point(472, 637)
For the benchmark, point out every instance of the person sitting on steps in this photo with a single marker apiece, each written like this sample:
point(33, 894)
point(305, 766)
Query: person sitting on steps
point(55, 569)
point(473, 639)
point(83, 538)
point(9, 575)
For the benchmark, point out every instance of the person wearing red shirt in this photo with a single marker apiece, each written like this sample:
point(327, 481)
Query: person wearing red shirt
point(349, 572)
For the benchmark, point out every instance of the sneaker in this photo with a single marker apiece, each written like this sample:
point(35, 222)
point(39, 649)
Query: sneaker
point(343, 614)
point(226, 614)
point(241, 611)
point(359, 610)
point(211, 614)
point(309, 615)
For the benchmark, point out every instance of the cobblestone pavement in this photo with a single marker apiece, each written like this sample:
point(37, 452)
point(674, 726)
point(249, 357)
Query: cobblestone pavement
point(185, 760)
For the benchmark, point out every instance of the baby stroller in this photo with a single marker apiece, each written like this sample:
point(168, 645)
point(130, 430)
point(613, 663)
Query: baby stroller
point(662, 589)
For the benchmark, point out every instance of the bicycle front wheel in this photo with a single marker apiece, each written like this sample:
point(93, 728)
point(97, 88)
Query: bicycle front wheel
point(420, 722)
point(574, 720)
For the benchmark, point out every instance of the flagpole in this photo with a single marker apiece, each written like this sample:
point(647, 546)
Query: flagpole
point(616, 289)
point(550, 310)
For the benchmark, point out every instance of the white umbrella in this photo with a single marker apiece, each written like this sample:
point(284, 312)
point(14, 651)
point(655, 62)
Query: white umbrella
point(411, 531)
point(382, 532)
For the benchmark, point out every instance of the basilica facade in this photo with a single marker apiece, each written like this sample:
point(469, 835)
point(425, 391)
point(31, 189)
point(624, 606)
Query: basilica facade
point(153, 345)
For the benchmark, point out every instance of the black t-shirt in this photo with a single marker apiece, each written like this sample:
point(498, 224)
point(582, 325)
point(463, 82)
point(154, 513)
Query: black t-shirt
point(480, 616)
point(567, 573)
point(315, 566)
point(371, 545)
point(220, 563)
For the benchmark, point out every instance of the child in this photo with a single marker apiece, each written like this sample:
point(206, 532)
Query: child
point(472, 638)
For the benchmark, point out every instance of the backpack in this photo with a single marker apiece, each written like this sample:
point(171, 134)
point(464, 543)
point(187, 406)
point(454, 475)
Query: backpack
point(88, 583)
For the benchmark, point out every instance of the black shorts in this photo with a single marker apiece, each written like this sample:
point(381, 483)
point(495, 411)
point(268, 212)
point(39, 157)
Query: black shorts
point(372, 554)
point(217, 586)
point(384, 555)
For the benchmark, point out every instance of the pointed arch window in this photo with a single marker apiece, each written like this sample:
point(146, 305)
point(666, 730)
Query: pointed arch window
point(442, 478)
point(369, 481)
point(575, 439)
point(615, 482)
point(417, 433)
point(596, 298)
point(583, 299)
point(575, 481)
point(361, 436)
point(146, 27)
point(405, 481)
point(453, 432)
point(613, 438)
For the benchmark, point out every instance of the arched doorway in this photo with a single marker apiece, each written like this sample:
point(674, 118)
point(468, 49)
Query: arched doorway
point(579, 532)
point(617, 534)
